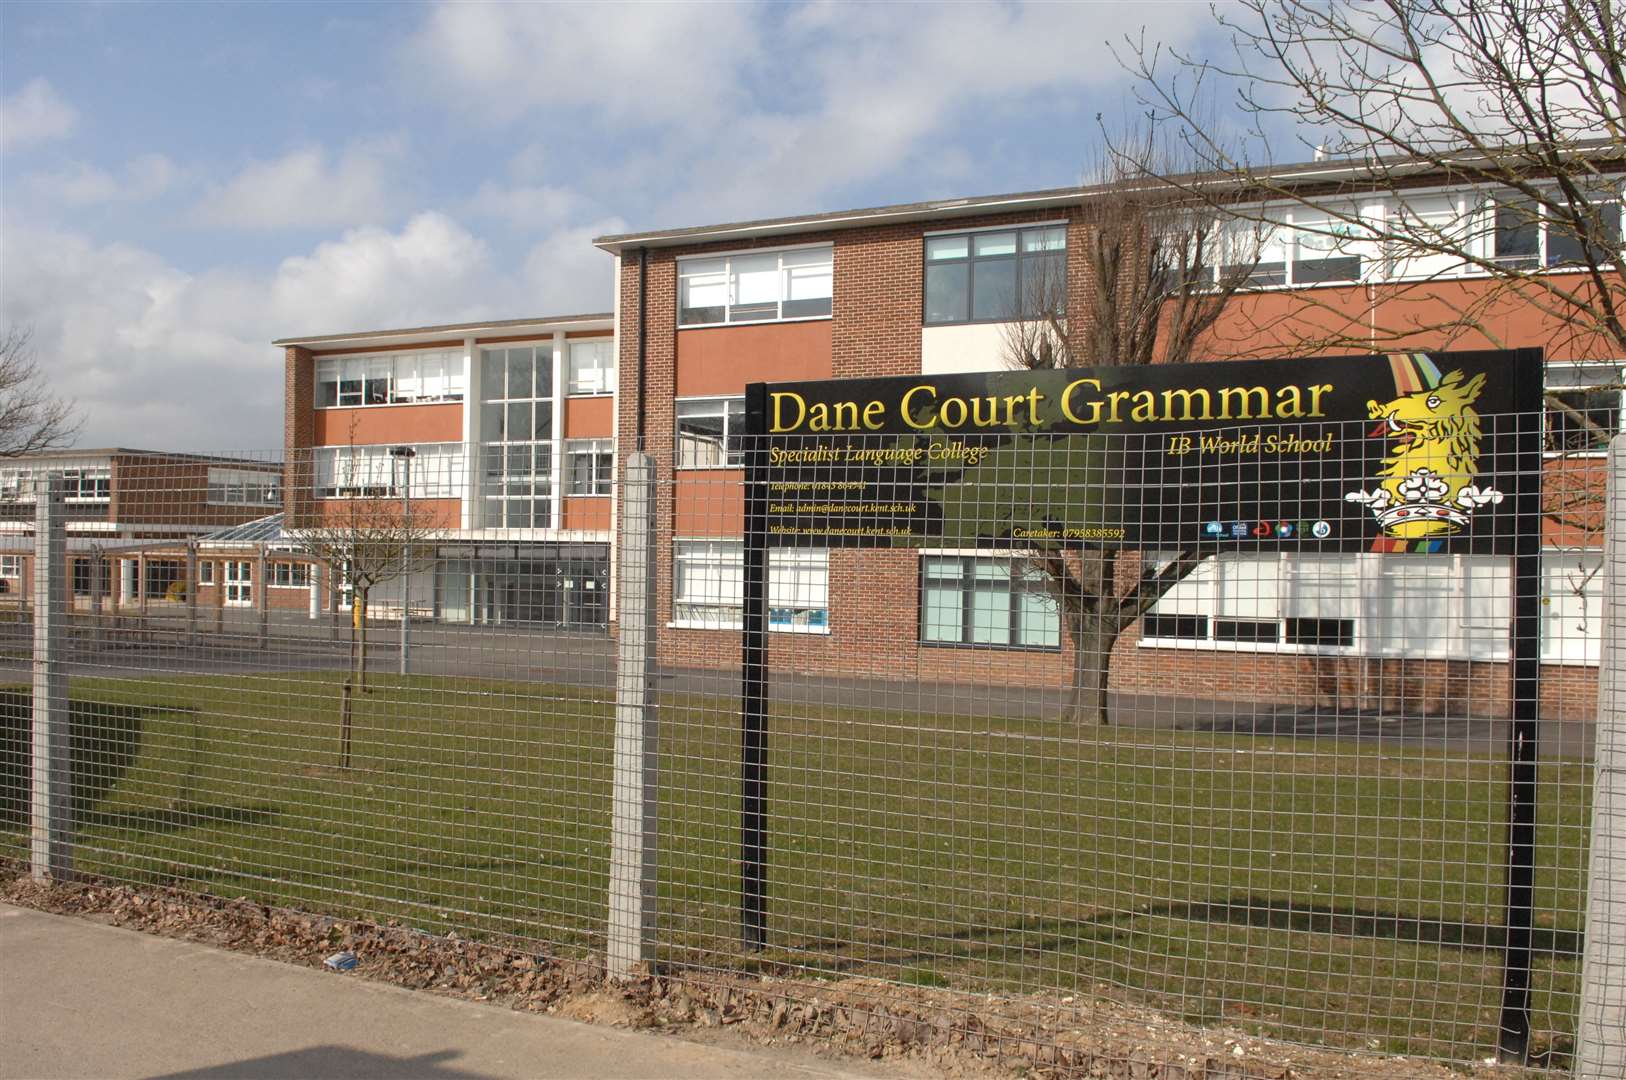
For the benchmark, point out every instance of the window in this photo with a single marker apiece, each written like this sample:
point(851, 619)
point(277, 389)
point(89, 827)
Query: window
point(206, 572)
point(239, 583)
point(995, 276)
point(757, 286)
point(16, 485)
point(1446, 606)
point(1583, 407)
point(590, 367)
point(243, 487)
point(411, 378)
point(372, 471)
point(1526, 235)
point(708, 433)
point(516, 433)
point(11, 566)
point(1571, 606)
point(590, 465)
point(290, 575)
point(87, 485)
point(708, 578)
point(968, 600)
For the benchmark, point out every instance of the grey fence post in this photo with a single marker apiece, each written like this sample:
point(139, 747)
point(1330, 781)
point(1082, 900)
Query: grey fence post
point(633, 860)
point(50, 809)
point(1600, 1044)
point(262, 597)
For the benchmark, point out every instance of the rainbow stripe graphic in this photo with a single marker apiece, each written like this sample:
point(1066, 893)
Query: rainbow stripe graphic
point(1412, 372)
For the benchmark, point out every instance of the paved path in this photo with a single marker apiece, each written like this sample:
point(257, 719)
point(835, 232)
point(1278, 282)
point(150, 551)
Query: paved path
point(79, 999)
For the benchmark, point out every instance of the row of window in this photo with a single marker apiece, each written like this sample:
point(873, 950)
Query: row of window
point(243, 487)
point(417, 378)
point(521, 471)
point(1453, 607)
point(995, 275)
point(78, 485)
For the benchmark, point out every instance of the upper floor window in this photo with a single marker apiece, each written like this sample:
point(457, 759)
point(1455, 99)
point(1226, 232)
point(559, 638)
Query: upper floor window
point(590, 367)
point(589, 466)
point(708, 433)
point(410, 378)
point(1583, 407)
point(87, 485)
point(1527, 236)
point(243, 487)
point(996, 276)
point(756, 286)
point(438, 471)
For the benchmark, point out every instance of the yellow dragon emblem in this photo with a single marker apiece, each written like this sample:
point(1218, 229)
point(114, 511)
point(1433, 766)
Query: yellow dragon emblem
point(1426, 487)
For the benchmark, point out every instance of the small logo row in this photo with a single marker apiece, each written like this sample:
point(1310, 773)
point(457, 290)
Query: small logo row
point(1267, 530)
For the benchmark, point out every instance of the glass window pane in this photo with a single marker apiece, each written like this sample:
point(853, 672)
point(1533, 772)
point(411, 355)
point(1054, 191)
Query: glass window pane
point(1053, 238)
point(993, 289)
point(1040, 620)
point(946, 293)
point(493, 369)
point(543, 362)
point(947, 247)
point(991, 615)
point(491, 422)
point(1001, 243)
point(543, 429)
point(327, 394)
point(519, 376)
point(517, 513)
point(519, 420)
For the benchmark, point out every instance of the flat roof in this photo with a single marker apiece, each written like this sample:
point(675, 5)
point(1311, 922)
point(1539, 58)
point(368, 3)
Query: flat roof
point(76, 453)
point(1305, 175)
point(428, 333)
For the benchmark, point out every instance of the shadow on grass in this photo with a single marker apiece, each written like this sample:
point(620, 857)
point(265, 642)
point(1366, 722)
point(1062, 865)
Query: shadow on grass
point(1264, 913)
point(184, 816)
point(103, 740)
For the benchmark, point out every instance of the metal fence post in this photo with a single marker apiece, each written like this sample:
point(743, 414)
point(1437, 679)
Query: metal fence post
point(262, 597)
point(1600, 1043)
point(633, 860)
point(191, 592)
point(50, 839)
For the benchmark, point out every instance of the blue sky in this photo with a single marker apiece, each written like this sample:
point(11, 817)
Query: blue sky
point(182, 183)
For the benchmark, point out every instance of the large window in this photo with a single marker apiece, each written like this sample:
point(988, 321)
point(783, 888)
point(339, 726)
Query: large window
point(1583, 407)
point(589, 466)
point(996, 276)
point(590, 367)
point(11, 566)
point(290, 575)
point(371, 471)
point(410, 378)
point(516, 433)
point(87, 485)
point(756, 286)
point(1526, 236)
point(243, 487)
point(1446, 606)
point(708, 432)
point(708, 578)
point(966, 600)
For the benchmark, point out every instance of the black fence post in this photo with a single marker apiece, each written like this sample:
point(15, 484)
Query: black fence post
point(753, 681)
point(1513, 1043)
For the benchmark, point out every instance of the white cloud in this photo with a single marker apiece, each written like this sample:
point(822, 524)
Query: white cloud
point(33, 114)
point(304, 189)
point(567, 275)
point(156, 355)
point(144, 178)
point(640, 64)
point(525, 206)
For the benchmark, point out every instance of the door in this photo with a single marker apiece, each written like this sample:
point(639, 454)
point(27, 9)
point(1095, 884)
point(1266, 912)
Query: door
point(239, 583)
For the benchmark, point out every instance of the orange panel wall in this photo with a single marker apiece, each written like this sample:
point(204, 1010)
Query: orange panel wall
point(722, 359)
point(589, 417)
point(371, 425)
point(587, 512)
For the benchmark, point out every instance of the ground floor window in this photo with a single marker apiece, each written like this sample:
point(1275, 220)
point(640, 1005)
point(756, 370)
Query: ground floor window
point(976, 600)
point(708, 586)
point(239, 582)
point(206, 572)
point(11, 566)
point(290, 575)
point(1442, 606)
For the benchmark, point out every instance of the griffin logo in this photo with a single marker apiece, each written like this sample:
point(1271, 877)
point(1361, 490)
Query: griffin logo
point(1426, 486)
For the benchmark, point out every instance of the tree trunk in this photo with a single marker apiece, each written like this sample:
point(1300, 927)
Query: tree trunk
point(361, 629)
point(1092, 658)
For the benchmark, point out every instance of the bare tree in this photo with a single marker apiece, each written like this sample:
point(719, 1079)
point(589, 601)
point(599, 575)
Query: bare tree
point(31, 417)
point(1521, 102)
point(1160, 267)
point(368, 536)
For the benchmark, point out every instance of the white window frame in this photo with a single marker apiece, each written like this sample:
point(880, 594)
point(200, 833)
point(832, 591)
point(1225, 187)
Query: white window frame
point(601, 473)
point(798, 587)
point(239, 583)
point(597, 380)
point(1560, 377)
point(11, 566)
point(289, 574)
point(695, 405)
point(100, 481)
point(1021, 580)
point(1572, 606)
point(372, 471)
point(499, 487)
point(242, 487)
point(206, 571)
point(689, 270)
point(1020, 257)
point(401, 369)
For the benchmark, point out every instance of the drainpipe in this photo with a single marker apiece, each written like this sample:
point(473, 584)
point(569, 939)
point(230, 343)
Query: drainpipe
point(643, 338)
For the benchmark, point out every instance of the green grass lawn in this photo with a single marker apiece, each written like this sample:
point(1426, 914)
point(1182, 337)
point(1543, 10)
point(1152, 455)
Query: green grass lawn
point(1322, 890)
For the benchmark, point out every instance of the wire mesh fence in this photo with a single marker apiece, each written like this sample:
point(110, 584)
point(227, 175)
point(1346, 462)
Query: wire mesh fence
point(1281, 802)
